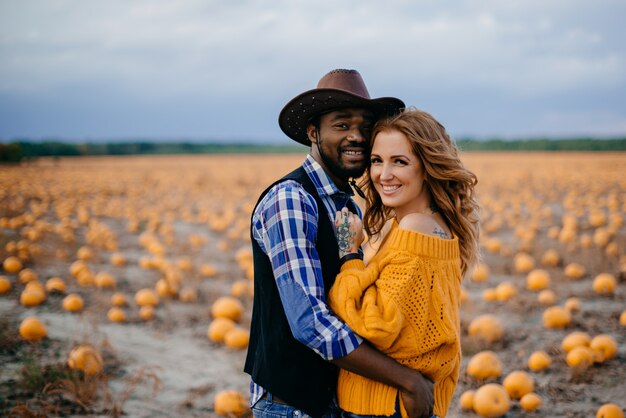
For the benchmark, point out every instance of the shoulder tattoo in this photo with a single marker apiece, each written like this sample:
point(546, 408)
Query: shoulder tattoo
point(440, 233)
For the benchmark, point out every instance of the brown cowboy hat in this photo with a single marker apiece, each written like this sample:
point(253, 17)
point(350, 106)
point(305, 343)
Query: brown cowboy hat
point(337, 89)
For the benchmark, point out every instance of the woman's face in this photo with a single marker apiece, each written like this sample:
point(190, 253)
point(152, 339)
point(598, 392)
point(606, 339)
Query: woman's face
point(398, 174)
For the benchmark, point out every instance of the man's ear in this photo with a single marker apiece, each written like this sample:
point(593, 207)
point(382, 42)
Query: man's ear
point(311, 132)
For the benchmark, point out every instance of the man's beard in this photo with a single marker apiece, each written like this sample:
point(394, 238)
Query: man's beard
point(336, 166)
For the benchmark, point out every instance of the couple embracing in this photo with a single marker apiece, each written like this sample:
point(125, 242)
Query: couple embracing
point(331, 336)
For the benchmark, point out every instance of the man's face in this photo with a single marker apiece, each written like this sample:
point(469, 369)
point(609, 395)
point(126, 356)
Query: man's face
point(341, 143)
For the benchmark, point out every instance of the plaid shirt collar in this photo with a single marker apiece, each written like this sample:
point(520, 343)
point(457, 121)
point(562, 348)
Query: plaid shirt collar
point(323, 183)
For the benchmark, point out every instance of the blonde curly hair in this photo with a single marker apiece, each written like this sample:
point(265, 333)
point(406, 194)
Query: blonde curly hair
point(451, 185)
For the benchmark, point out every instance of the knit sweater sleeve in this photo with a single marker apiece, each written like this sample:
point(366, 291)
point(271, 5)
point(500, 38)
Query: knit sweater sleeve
point(444, 389)
point(357, 300)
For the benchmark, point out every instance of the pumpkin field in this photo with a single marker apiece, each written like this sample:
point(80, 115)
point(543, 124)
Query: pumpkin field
point(126, 285)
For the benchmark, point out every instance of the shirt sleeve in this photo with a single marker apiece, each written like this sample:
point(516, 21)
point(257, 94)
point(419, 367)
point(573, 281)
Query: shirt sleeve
point(285, 226)
point(357, 300)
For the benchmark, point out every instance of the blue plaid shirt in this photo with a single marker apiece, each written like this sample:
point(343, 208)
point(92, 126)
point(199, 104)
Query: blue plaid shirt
point(285, 227)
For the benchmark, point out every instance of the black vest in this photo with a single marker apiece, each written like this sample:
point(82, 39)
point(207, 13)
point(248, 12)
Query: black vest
point(276, 360)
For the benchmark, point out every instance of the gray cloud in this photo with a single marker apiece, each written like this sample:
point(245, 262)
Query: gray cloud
point(158, 68)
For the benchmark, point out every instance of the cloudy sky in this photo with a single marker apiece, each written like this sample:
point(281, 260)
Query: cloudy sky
point(87, 70)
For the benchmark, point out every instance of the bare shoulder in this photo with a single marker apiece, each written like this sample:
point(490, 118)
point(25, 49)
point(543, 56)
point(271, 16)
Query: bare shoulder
point(424, 224)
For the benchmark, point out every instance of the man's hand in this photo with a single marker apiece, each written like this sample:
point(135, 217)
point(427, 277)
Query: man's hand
point(420, 400)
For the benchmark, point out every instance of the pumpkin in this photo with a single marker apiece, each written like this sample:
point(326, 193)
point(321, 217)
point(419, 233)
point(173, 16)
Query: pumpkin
point(12, 264)
point(604, 347)
point(104, 280)
point(27, 275)
point(73, 303)
point(467, 400)
point(85, 278)
point(119, 299)
point(78, 266)
point(538, 279)
point(5, 285)
point(32, 329)
point(227, 307)
point(539, 360)
point(218, 329)
point(486, 327)
point(530, 402)
point(604, 284)
point(622, 318)
point(32, 297)
point(556, 317)
point(572, 304)
point(505, 291)
point(610, 410)
point(480, 273)
point(230, 403)
point(550, 258)
point(164, 289)
point(146, 312)
point(237, 338)
point(85, 253)
point(490, 294)
point(579, 357)
point(86, 359)
point(116, 314)
point(239, 288)
point(491, 401)
point(546, 297)
point(518, 383)
point(574, 271)
point(575, 339)
point(55, 284)
point(146, 297)
point(188, 294)
point(484, 365)
point(118, 259)
point(523, 262)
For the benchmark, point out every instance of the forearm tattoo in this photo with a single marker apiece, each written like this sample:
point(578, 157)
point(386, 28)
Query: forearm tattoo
point(345, 237)
point(440, 233)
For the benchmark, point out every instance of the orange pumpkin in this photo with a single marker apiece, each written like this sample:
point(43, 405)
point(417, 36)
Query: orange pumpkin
point(604, 347)
point(486, 327)
point(227, 307)
point(491, 401)
point(237, 338)
point(467, 400)
point(518, 383)
point(484, 365)
point(610, 410)
point(539, 360)
point(32, 329)
point(538, 279)
point(86, 359)
point(230, 403)
point(5, 285)
point(579, 357)
point(575, 339)
point(530, 402)
point(218, 329)
point(556, 317)
point(73, 303)
point(604, 284)
point(12, 264)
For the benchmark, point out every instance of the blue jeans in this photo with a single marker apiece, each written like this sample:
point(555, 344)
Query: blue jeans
point(267, 408)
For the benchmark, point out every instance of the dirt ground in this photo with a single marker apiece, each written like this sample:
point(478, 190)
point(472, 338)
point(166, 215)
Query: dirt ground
point(167, 367)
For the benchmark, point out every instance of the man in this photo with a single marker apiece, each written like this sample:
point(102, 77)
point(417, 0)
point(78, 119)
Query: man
point(296, 342)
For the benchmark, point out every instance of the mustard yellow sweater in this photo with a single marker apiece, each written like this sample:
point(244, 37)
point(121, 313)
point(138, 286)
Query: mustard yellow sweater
point(406, 302)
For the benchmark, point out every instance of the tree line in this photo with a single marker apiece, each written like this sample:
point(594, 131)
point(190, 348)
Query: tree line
point(25, 150)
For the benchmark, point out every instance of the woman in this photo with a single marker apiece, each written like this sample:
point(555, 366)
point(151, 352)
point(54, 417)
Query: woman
point(406, 301)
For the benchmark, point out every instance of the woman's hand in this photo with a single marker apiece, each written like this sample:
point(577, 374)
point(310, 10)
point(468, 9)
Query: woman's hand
point(349, 232)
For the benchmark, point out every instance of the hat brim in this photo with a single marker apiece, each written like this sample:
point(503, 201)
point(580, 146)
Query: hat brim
point(295, 116)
